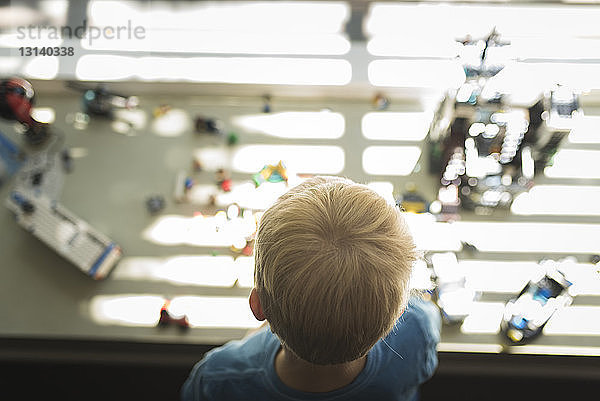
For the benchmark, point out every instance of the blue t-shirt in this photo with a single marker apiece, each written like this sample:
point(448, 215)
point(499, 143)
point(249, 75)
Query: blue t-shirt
point(395, 366)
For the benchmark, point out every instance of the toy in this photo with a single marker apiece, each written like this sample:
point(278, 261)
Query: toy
point(68, 235)
point(16, 100)
point(266, 104)
point(24, 204)
point(226, 185)
point(476, 141)
point(411, 201)
point(232, 139)
point(166, 319)
point(380, 102)
point(79, 120)
point(197, 165)
point(248, 249)
point(155, 204)
point(238, 245)
point(38, 183)
point(221, 175)
point(526, 315)
point(99, 101)
point(552, 119)
point(481, 154)
point(41, 163)
point(43, 171)
point(161, 110)
point(487, 148)
point(270, 173)
point(208, 125)
point(180, 187)
point(67, 160)
point(223, 180)
point(446, 206)
point(11, 158)
point(188, 184)
point(481, 66)
point(451, 294)
point(469, 248)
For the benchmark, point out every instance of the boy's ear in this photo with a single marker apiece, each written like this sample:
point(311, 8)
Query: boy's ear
point(255, 306)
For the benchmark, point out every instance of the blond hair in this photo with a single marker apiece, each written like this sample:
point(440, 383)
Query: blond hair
point(332, 265)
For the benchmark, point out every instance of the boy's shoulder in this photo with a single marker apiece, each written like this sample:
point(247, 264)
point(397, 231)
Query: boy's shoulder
point(424, 314)
point(419, 326)
point(251, 353)
point(410, 349)
point(236, 370)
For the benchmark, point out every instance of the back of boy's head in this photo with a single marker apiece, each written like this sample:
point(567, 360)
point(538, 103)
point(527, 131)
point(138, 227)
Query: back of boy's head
point(332, 265)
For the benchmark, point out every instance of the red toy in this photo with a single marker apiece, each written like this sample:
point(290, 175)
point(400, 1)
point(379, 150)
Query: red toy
point(226, 185)
point(248, 250)
point(166, 319)
point(16, 100)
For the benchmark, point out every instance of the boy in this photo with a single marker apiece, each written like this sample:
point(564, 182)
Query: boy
point(332, 266)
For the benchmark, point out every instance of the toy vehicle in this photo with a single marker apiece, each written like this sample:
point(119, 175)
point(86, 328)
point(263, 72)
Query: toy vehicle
point(100, 101)
point(75, 240)
point(526, 315)
point(411, 201)
point(451, 293)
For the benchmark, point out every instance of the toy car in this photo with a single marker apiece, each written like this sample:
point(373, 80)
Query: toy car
point(451, 294)
point(525, 316)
